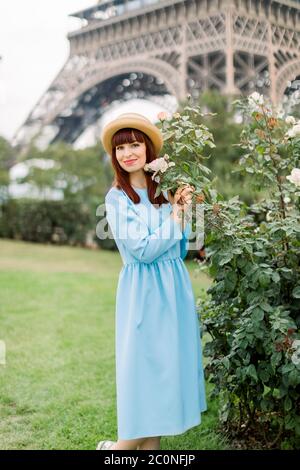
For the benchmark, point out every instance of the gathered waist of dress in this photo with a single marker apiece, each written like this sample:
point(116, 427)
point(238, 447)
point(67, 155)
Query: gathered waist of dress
point(159, 260)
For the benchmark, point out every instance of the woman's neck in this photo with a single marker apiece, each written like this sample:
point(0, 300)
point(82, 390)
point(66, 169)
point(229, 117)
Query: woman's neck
point(139, 181)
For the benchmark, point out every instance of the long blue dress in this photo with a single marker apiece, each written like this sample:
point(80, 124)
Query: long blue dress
point(159, 373)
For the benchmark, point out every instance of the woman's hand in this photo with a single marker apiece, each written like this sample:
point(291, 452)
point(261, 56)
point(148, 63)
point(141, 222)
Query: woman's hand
point(181, 200)
point(182, 197)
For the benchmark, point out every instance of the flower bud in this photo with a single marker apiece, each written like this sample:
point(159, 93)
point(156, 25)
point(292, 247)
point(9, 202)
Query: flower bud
point(162, 116)
point(200, 198)
point(216, 208)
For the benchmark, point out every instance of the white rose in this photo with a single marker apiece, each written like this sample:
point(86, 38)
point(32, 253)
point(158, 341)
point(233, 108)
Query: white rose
point(294, 131)
point(296, 358)
point(158, 164)
point(269, 216)
point(163, 166)
point(290, 120)
point(289, 134)
point(296, 355)
point(256, 98)
point(296, 344)
point(255, 101)
point(294, 177)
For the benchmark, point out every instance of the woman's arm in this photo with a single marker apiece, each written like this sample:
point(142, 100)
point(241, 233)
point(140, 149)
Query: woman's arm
point(184, 242)
point(127, 226)
point(186, 228)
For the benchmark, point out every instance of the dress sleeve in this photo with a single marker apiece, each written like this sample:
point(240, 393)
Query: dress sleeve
point(184, 242)
point(127, 226)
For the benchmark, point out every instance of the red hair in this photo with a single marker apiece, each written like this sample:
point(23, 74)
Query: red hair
point(121, 180)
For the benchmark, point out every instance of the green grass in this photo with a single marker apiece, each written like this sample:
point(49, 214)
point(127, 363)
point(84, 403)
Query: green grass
point(57, 389)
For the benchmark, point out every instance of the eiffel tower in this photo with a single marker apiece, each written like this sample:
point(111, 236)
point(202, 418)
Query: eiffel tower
point(155, 50)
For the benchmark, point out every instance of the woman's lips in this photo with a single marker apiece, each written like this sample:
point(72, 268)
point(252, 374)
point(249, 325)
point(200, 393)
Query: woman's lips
point(130, 162)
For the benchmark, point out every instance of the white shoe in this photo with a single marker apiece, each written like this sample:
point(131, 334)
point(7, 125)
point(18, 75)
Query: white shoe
point(105, 445)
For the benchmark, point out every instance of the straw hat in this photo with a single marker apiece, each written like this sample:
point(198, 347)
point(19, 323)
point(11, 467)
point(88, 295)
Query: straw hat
point(134, 121)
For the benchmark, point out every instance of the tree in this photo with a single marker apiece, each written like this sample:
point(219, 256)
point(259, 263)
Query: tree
point(80, 175)
point(224, 125)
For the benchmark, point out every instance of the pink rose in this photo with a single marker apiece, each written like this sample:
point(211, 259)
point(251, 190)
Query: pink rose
point(162, 116)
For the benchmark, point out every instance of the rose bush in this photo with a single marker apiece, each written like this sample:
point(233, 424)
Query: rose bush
point(183, 163)
point(252, 309)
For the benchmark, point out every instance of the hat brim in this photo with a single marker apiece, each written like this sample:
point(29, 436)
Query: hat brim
point(121, 123)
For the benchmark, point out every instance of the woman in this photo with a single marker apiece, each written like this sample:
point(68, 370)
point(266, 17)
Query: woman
point(159, 374)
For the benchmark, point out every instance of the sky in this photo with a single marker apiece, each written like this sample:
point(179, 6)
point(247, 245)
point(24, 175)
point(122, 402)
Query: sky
point(33, 47)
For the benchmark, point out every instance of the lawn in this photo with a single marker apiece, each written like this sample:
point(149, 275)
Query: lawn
point(57, 389)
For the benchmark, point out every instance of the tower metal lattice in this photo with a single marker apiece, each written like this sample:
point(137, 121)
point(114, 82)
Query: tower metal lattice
point(153, 49)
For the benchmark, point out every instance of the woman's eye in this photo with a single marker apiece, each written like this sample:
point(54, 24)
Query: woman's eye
point(121, 147)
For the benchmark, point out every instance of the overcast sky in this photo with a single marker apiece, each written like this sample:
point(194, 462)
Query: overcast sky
point(33, 47)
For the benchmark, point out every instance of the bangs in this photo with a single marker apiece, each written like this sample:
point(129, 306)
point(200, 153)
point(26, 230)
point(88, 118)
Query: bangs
point(127, 136)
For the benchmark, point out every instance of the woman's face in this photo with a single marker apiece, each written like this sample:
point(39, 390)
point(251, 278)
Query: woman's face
point(131, 157)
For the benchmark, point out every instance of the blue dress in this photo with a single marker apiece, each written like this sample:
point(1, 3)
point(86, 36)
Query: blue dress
point(159, 373)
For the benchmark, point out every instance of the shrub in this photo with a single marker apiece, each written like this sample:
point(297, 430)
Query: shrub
point(46, 221)
point(252, 308)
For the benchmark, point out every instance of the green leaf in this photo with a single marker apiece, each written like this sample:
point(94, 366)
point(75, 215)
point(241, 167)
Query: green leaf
point(204, 169)
point(294, 377)
point(241, 261)
point(157, 192)
point(224, 260)
point(288, 368)
point(251, 371)
point(260, 149)
point(257, 314)
point(275, 359)
point(296, 292)
point(263, 375)
point(275, 277)
point(282, 391)
point(287, 403)
point(210, 144)
point(290, 422)
point(264, 280)
point(226, 363)
point(266, 307)
point(260, 254)
point(168, 135)
point(230, 281)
